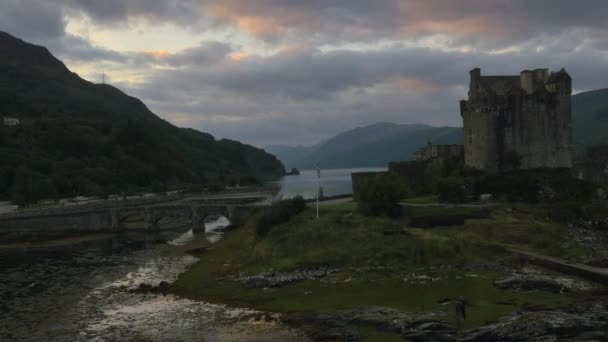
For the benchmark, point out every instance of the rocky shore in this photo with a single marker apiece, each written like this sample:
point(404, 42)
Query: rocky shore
point(530, 279)
point(279, 279)
point(588, 322)
point(107, 291)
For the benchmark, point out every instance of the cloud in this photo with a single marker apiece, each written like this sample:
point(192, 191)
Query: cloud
point(304, 94)
point(472, 22)
point(32, 19)
point(293, 71)
point(205, 54)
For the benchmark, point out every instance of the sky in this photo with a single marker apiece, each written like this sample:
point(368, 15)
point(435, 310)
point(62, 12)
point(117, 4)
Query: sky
point(294, 72)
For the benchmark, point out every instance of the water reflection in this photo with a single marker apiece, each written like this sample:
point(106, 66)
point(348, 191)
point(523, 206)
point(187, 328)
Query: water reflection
point(213, 231)
point(333, 181)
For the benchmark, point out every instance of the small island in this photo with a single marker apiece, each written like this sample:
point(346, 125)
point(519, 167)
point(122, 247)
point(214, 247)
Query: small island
point(293, 172)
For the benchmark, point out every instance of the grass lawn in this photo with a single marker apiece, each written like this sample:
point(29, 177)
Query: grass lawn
point(381, 261)
point(426, 199)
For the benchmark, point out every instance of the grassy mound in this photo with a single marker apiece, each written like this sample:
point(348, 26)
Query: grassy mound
point(382, 261)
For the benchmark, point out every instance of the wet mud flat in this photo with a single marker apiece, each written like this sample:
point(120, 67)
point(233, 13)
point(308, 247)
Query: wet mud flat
point(84, 292)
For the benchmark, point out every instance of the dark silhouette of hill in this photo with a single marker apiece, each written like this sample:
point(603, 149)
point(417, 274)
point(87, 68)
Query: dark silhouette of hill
point(370, 146)
point(80, 138)
point(590, 118)
point(375, 145)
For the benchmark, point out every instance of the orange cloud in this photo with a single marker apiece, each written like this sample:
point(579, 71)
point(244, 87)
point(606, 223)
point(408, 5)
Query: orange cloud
point(262, 27)
point(239, 56)
point(456, 27)
point(158, 54)
point(423, 87)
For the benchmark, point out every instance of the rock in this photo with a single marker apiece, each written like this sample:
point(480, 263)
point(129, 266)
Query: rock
point(553, 325)
point(529, 279)
point(144, 286)
point(443, 301)
point(253, 283)
point(283, 279)
point(198, 251)
point(336, 334)
point(592, 336)
point(428, 330)
point(163, 286)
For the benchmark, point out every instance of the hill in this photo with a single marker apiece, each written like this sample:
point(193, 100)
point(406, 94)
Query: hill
point(80, 138)
point(590, 118)
point(369, 146)
point(375, 145)
point(289, 155)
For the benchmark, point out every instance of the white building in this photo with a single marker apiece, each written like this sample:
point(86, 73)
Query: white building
point(11, 121)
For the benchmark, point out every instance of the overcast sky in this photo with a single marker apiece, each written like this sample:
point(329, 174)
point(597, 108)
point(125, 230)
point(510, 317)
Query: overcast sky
point(298, 71)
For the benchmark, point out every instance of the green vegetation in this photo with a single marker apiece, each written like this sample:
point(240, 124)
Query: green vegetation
point(380, 196)
point(423, 199)
point(450, 181)
point(536, 185)
point(452, 190)
point(80, 138)
point(382, 261)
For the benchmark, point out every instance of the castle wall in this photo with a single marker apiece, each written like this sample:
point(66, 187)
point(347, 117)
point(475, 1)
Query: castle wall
point(526, 81)
point(410, 172)
point(430, 152)
point(540, 132)
point(533, 122)
point(480, 139)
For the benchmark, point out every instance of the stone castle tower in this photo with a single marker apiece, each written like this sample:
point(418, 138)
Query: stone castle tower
point(518, 121)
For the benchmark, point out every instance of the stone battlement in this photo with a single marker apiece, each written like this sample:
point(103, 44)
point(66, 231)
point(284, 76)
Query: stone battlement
point(518, 121)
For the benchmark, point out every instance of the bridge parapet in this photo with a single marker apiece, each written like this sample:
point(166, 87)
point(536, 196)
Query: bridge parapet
point(61, 223)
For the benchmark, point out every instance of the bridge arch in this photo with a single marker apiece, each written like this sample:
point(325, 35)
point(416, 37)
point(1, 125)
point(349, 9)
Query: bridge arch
point(200, 213)
point(157, 213)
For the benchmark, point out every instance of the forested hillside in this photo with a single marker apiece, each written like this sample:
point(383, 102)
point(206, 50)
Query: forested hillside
point(80, 138)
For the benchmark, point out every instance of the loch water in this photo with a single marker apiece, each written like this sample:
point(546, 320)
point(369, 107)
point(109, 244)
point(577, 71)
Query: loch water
point(333, 182)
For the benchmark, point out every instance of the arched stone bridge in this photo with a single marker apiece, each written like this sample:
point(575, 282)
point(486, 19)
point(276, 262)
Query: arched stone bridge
point(197, 213)
point(65, 222)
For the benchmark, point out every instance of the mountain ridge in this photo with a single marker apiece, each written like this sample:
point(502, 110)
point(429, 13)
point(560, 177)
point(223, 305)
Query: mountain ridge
point(368, 146)
point(394, 142)
point(81, 138)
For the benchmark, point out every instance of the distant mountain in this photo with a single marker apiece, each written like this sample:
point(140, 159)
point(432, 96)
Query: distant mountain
point(289, 155)
point(369, 146)
point(375, 145)
point(590, 118)
point(80, 138)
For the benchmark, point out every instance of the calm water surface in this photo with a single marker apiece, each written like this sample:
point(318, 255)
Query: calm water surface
point(333, 181)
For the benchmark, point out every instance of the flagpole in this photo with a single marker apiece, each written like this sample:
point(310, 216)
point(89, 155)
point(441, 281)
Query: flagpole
point(318, 185)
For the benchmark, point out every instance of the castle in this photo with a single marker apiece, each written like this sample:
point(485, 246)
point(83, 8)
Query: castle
point(522, 121)
point(430, 152)
point(509, 122)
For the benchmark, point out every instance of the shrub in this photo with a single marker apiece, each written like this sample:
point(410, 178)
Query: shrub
point(380, 196)
point(536, 185)
point(194, 188)
point(451, 190)
point(567, 212)
point(279, 212)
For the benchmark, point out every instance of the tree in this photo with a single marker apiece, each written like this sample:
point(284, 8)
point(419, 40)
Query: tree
point(451, 189)
point(279, 212)
point(380, 196)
